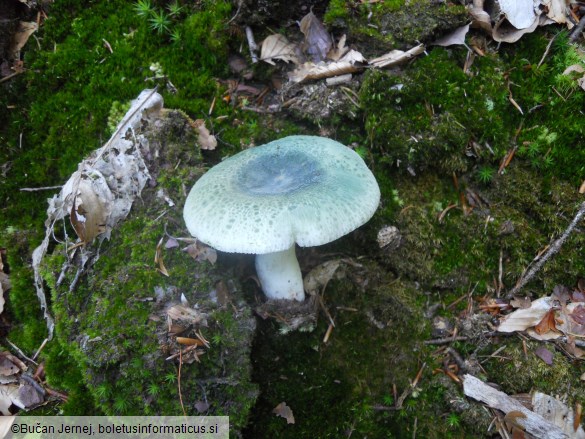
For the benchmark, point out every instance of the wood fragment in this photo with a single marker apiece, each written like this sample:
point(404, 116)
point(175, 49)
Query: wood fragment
point(252, 44)
point(328, 333)
point(534, 424)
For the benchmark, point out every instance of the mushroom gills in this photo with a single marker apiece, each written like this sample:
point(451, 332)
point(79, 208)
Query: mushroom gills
point(280, 275)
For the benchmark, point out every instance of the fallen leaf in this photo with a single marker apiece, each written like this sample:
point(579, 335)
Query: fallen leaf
point(201, 252)
point(90, 209)
point(317, 42)
point(396, 57)
point(578, 315)
point(320, 276)
point(8, 393)
point(285, 412)
point(511, 420)
point(201, 406)
point(521, 302)
point(188, 315)
point(555, 10)
point(338, 51)
point(520, 13)
point(25, 30)
point(506, 32)
point(557, 413)
point(544, 354)
point(276, 46)
point(547, 323)
point(457, 37)
point(522, 319)
point(158, 260)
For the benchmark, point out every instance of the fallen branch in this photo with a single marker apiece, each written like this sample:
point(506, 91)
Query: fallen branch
point(552, 249)
point(532, 422)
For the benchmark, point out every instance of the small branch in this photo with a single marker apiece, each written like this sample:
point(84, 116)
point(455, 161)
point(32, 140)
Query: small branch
point(577, 30)
point(553, 248)
point(447, 340)
point(252, 44)
point(35, 189)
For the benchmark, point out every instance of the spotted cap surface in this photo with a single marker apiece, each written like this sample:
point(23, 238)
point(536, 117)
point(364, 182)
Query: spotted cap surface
point(304, 189)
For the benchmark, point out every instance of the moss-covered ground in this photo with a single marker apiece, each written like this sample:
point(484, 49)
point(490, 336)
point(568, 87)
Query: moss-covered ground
point(434, 136)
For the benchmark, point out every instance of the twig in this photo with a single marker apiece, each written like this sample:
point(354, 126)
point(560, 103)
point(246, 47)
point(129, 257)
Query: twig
point(179, 382)
point(40, 348)
point(12, 75)
point(35, 189)
point(553, 248)
point(576, 31)
point(548, 46)
point(252, 44)
point(20, 353)
point(447, 340)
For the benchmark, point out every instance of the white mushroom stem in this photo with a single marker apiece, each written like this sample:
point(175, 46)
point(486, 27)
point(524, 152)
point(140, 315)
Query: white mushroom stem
point(280, 275)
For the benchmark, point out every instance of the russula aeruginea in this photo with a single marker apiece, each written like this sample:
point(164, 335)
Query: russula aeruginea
point(300, 189)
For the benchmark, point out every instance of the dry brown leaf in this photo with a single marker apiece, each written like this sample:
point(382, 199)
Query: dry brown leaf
point(285, 412)
point(522, 319)
point(547, 323)
point(578, 315)
point(25, 30)
point(206, 140)
point(276, 46)
point(511, 420)
point(158, 259)
point(201, 252)
point(338, 51)
point(187, 315)
point(521, 302)
point(556, 10)
point(90, 209)
point(457, 37)
point(320, 276)
point(544, 354)
point(557, 413)
point(317, 42)
point(396, 57)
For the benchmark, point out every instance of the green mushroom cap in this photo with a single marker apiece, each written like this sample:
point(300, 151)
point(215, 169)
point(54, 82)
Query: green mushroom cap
point(304, 189)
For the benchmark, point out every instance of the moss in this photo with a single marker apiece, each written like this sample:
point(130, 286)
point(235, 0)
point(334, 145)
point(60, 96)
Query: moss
point(381, 26)
point(112, 334)
point(411, 127)
point(520, 370)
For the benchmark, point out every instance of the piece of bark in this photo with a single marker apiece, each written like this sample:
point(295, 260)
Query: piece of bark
point(533, 423)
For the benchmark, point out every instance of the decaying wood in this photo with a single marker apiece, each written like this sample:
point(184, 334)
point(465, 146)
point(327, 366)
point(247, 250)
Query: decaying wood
point(532, 423)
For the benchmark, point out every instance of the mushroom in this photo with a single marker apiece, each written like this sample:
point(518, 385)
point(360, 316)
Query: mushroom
point(300, 189)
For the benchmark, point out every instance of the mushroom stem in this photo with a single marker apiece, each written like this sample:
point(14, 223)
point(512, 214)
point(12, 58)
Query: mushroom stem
point(280, 275)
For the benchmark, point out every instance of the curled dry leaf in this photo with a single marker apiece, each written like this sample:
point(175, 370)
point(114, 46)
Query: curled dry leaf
point(320, 276)
point(158, 259)
point(278, 47)
point(457, 37)
point(338, 51)
point(201, 252)
point(284, 411)
point(547, 323)
point(187, 315)
point(25, 30)
point(317, 42)
point(396, 57)
point(91, 208)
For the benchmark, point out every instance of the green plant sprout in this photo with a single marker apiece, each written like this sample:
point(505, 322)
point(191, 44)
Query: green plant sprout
point(485, 174)
point(143, 8)
point(159, 22)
